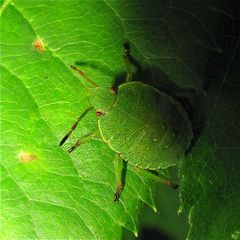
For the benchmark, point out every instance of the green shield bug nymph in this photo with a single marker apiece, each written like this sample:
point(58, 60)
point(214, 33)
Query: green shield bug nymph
point(145, 127)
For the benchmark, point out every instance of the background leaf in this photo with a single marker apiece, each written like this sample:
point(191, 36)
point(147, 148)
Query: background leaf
point(48, 194)
point(210, 175)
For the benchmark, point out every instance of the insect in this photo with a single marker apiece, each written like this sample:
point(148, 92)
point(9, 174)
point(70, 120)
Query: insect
point(145, 127)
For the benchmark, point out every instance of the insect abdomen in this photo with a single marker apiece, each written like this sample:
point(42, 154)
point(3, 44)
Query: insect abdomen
point(149, 128)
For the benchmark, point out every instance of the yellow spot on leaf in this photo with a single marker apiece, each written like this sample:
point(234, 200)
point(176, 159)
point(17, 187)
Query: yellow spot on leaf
point(26, 157)
point(38, 44)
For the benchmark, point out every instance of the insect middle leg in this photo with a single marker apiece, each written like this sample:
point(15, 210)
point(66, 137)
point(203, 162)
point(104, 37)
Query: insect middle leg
point(82, 140)
point(74, 126)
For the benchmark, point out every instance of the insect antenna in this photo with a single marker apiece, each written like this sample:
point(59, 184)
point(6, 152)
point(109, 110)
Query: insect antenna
point(132, 60)
point(127, 62)
point(84, 75)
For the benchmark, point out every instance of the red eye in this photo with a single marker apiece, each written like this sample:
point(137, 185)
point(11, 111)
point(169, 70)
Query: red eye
point(99, 113)
point(113, 89)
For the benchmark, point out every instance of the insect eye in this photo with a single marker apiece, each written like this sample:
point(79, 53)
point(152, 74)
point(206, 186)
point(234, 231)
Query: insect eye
point(113, 89)
point(99, 113)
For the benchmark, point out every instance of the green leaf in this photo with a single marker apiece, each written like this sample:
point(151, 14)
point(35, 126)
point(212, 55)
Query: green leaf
point(47, 193)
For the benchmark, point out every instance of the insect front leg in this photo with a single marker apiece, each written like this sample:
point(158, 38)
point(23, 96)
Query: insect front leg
point(74, 126)
point(120, 172)
point(83, 75)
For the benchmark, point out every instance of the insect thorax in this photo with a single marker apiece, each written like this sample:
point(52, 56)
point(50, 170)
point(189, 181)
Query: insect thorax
point(102, 98)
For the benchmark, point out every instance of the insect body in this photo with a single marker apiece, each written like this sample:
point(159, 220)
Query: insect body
point(145, 127)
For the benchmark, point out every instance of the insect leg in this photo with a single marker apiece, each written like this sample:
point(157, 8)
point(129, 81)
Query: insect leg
point(74, 125)
point(120, 172)
point(127, 62)
point(83, 75)
point(157, 178)
point(82, 140)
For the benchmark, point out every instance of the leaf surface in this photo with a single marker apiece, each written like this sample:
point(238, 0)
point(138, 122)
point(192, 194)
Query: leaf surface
point(47, 193)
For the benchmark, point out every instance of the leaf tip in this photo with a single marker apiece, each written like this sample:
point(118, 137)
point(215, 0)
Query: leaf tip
point(180, 210)
point(155, 209)
point(136, 234)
